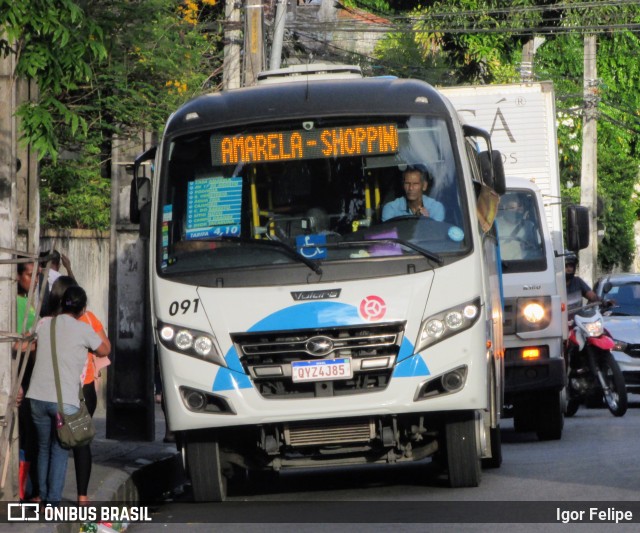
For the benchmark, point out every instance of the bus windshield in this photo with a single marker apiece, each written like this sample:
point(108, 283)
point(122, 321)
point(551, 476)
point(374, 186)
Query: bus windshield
point(311, 193)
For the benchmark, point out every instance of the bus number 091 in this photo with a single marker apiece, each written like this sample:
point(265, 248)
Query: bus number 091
point(184, 305)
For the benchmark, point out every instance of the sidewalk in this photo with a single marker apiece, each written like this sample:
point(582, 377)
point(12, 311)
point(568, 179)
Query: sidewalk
point(122, 471)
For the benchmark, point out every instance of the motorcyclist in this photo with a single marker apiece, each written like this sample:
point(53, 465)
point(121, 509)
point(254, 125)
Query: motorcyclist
point(577, 288)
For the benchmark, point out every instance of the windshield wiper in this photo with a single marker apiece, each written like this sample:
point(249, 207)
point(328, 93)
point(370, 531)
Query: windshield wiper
point(392, 240)
point(290, 251)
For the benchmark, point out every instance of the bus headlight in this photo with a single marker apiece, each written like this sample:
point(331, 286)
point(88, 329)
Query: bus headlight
point(448, 323)
point(190, 342)
point(184, 340)
point(203, 346)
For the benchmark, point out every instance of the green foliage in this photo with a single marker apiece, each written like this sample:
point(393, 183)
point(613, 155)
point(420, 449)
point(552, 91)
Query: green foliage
point(561, 59)
point(376, 6)
point(114, 65)
point(54, 43)
point(480, 41)
point(471, 37)
point(617, 246)
point(103, 67)
point(74, 195)
point(404, 57)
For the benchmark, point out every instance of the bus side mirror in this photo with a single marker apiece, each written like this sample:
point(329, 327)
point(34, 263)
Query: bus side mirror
point(577, 227)
point(499, 182)
point(140, 196)
point(492, 170)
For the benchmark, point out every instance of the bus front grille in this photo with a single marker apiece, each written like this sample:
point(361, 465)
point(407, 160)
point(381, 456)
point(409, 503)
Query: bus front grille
point(267, 358)
point(308, 435)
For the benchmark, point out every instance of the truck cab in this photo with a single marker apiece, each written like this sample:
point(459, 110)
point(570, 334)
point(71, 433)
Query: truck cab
point(535, 322)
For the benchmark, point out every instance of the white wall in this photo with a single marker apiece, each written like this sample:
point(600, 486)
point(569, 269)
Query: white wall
point(88, 252)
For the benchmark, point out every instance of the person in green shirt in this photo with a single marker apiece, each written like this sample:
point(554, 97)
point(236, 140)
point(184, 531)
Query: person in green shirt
point(25, 273)
point(27, 434)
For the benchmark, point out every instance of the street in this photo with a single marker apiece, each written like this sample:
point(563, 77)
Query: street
point(594, 462)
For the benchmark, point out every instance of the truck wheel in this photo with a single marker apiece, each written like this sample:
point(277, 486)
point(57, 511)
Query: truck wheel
point(204, 466)
point(550, 416)
point(523, 416)
point(463, 459)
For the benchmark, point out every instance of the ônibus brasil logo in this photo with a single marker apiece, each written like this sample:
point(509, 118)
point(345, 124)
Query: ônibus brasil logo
point(372, 308)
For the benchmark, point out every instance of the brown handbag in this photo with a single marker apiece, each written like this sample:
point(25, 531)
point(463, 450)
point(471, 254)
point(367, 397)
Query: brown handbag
point(77, 429)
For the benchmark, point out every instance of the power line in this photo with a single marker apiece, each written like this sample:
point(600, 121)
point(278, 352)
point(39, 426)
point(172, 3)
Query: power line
point(508, 11)
point(464, 21)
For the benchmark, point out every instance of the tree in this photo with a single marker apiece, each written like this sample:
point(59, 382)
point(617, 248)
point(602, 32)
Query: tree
point(480, 41)
point(104, 68)
point(472, 37)
point(618, 126)
point(56, 44)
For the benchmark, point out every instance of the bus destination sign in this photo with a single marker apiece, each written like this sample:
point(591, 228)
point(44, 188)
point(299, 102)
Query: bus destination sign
point(269, 147)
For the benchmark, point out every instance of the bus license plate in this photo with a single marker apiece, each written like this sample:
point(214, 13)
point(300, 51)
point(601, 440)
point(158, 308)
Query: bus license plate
point(322, 370)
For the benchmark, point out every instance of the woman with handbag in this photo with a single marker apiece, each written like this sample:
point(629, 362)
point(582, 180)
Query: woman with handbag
point(69, 341)
point(82, 457)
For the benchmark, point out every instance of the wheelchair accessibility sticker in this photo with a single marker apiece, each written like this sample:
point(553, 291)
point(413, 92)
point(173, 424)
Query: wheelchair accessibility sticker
point(312, 246)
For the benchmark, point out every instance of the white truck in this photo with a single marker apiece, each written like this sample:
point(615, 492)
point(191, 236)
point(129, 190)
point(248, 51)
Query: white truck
point(521, 121)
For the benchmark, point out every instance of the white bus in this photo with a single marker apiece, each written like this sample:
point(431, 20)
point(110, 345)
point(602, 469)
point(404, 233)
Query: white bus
point(295, 327)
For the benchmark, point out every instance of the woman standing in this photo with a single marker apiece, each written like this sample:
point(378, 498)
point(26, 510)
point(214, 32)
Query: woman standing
point(81, 454)
point(73, 339)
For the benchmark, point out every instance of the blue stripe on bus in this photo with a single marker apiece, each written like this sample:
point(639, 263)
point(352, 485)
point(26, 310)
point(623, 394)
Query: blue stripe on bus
point(311, 315)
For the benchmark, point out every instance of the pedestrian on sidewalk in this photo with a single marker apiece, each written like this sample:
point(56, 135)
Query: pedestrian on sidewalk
point(54, 274)
point(27, 434)
point(82, 456)
point(73, 339)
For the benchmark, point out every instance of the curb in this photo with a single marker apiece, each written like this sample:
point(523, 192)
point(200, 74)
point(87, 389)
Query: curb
point(146, 483)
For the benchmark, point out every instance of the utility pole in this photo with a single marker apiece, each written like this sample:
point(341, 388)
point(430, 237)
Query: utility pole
point(528, 56)
point(278, 35)
point(232, 45)
point(589, 174)
point(253, 42)
point(526, 67)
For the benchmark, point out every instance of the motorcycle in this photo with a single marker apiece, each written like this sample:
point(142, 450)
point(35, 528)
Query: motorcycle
point(594, 374)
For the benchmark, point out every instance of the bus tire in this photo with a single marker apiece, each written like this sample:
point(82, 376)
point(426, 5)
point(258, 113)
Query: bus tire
point(463, 459)
point(205, 469)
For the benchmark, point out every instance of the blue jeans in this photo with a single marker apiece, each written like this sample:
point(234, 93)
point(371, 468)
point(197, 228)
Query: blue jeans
point(52, 458)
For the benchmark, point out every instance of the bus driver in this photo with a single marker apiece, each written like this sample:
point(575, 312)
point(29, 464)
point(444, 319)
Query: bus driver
point(415, 201)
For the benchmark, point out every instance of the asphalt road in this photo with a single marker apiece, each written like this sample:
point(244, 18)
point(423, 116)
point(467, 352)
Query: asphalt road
point(597, 461)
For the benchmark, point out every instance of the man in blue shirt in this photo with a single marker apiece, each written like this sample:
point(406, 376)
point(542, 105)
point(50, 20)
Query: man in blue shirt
point(415, 201)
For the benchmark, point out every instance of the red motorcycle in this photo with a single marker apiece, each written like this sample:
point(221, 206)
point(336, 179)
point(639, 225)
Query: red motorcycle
point(594, 374)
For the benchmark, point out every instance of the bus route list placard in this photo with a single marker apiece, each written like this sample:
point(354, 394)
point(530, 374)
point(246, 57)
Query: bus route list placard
point(214, 207)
